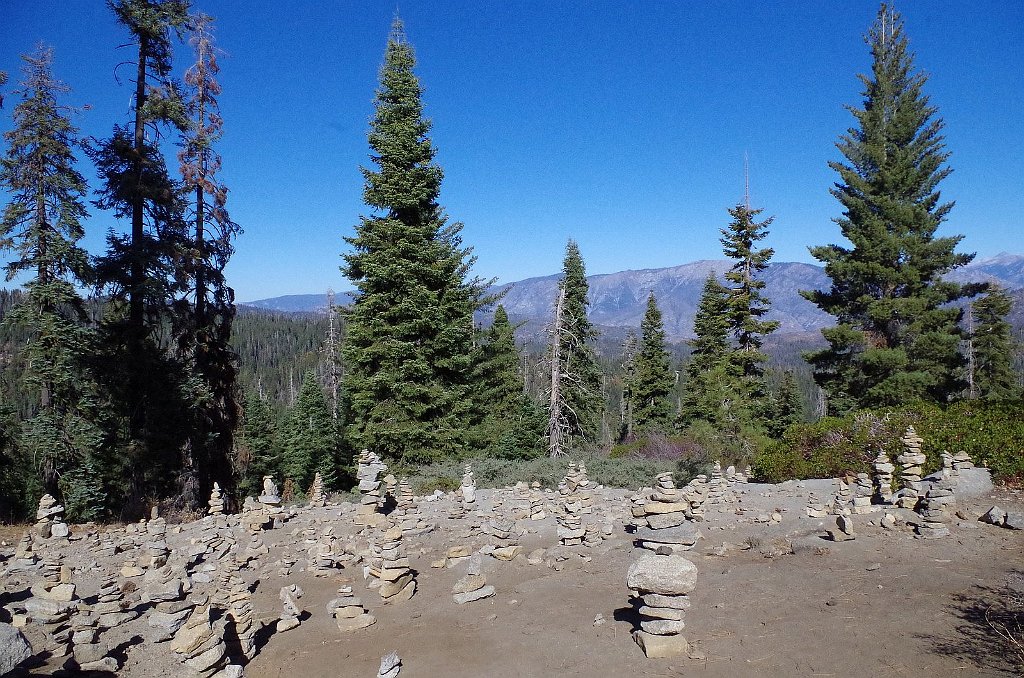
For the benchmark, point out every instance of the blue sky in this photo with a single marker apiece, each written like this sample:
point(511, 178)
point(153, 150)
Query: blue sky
point(620, 124)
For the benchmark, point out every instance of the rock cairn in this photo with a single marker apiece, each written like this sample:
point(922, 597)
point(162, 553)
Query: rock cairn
point(911, 462)
point(467, 489)
point(932, 509)
point(51, 605)
point(862, 494)
point(570, 524)
point(321, 552)
point(842, 500)
point(271, 500)
point(843, 530)
point(240, 634)
point(815, 509)
point(290, 611)
point(696, 493)
point(662, 583)
point(89, 653)
point(199, 644)
point(947, 464)
point(661, 518)
point(50, 519)
point(216, 501)
point(112, 606)
point(882, 480)
point(397, 580)
point(24, 555)
point(537, 511)
point(317, 498)
point(348, 611)
point(390, 665)
point(504, 539)
point(962, 461)
point(368, 470)
point(472, 586)
point(719, 492)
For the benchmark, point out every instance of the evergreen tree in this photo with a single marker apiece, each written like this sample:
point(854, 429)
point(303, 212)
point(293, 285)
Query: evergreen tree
point(42, 225)
point(709, 365)
point(257, 451)
point(992, 347)
point(897, 334)
point(575, 399)
point(789, 407)
point(627, 423)
point(652, 378)
point(409, 334)
point(310, 438)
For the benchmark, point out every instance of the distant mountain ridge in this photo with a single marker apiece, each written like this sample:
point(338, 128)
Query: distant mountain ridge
point(617, 300)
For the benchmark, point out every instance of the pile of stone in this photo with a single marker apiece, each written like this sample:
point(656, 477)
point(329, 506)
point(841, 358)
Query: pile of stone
point(948, 469)
point(537, 511)
point(932, 509)
point(504, 539)
point(321, 553)
point(662, 583)
point(50, 519)
point(1013, 520)
point(815, 509)
point(390, 665)
point(270, 501)
point(24, 555)
point(696, 493)
point(661, 519)
point(368, 470)
point(883, 470)
point(862, 495)
point(89, 653)
point(290, 611)
point(570, 524)
point(842, 500)
point(156, 547)
point(911, 463)
point(467, 489)
point(719, 492)
point(199, 644)
point(407, 513)
point(843, 530)
point(348, 611)
point(397, 580)
point(216, 501)
point(240, 634)
point(472, 586)
point(317, 498)
point(52, 602)
point(962, 461)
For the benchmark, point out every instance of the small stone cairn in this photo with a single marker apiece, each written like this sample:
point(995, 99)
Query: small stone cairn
point(241, 634)
point(89, 653)
point(696, 492)
point(932, 509)
point(504, 539)
point(368, 470)
point(348, 611)
point(577, 485)
point(719, 492)
point(199, 644)
point(537, 511)
point(290, 611)
point(321, 553)
point(661, 519)
point(862, 495)
point(112, 606)
point(397, 580)
point(883, 470)
point(842, 501)
point(216, 501)
point(843, 530)
point(662, 583)
point(317, 498)
point(911, 462)
point(570, 524)
point(815, 509)
point(51, 605)
point(390, 665)
point(271, 500)
point(24, 555)
point(962, 462)
point(472, 586)
point(467, 488)
point(50, 519)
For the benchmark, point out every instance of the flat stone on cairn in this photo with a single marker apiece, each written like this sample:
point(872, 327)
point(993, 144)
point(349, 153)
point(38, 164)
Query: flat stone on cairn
point(216, 501)
point(911, 463)
point(290, 611)
point(662, 582)
point(348, 611)
point(882, 480)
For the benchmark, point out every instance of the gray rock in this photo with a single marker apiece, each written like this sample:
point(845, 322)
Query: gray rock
point(994, 516)
point(390, 665)
point(662, 627)
point(973, 483)
point(667, 575)
point(470, 596)
point(683, 534)
point(14, 648)
point(1014, 520)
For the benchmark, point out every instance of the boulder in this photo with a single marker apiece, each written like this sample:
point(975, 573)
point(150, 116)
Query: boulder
point(14, 648)
point(667, 575)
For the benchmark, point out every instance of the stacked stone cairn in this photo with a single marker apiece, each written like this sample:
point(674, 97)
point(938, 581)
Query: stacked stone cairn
point(348, 611)
point(321, 553)
point(50, 519)
point(472, 586)
point(932, 509)
point(696, 493)
point(576, 484)
point(216, 501)
point(24, 555)
point(570, 524)
point(883, 469)
point(271, 501)
point(112, 606)
point(89, 653)
point(504, 539)
point(200, 645)
point(842, 501)
point(947, 464)
point(719, 492)
point(290, 611)
point(862, 495)
point(390, 665)
point(467, 488)
point(52, 602)
point(397, 581)
point(911, 462)
point(241, 633)
point(368, 470)
point(661, 520)
point(407, 513)
point(843, 530)
point(317, 498)
point(537, 511)
point(662, 584)
point(962, 461)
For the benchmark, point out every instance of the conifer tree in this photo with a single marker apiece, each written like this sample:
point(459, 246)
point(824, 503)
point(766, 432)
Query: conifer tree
point(992, 347)
point(711, 375)
point(257, 450)
point(630, 346)
point(652, 377)
point(310, 438)
point(574, 396)
point(789, 407)
point(409, 333)
point(42, 225)
point(897, 334)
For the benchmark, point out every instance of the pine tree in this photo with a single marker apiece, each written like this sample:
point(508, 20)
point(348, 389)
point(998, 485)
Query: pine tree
point(652, 378)
point(310, 438)
point(42, 225)
point(897, 334)
point(992, 347)
point(711, 376)
point(627, 423)
point(257, 450)
point(204, 328)
point(409, 333)
point(789, 407)
point(574, 396)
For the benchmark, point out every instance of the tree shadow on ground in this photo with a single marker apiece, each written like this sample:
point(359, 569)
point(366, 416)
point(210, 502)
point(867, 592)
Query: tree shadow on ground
point(990, 634)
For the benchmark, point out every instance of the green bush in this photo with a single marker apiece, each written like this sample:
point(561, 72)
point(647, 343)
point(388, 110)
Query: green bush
point(991, 432)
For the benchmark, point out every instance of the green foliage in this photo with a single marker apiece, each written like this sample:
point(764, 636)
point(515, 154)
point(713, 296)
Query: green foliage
point(650, 376)
point(408, 342)
point(310, 439)
point(897, 335)
point(85, 497)
point(257, 450)
point(992, 347)
point(788, 406)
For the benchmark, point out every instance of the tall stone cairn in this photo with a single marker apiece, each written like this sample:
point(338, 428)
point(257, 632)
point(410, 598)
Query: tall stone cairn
point(932, 509)
point(317, 498)
point(661, 517)
point(911, 462)
point(50, 518)
point(397, 581)
point(368, 470)
point(862, 494)
point(216, 501)
point(241, 633)
point(662, 584)
point(200, 645)
point(468, 487)
point(882, 478)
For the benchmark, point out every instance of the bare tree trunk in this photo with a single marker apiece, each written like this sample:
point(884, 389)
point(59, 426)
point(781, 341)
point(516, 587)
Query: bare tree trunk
point(555, 413)
point(332, 355)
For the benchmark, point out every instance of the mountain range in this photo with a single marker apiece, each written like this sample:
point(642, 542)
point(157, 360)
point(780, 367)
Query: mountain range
point(618, 300)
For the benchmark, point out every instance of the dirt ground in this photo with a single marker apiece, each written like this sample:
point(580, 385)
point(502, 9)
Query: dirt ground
point(771, 600)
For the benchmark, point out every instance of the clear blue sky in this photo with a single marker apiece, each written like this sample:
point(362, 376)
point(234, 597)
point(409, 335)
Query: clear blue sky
point(621, 124)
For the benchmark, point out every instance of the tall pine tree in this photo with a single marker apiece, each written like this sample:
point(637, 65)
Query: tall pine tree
point(574, 394)
point(897, 335)
point(42, 225)
point(652, 379)
point(310, 442)
point(409, 334)
point(992, 347)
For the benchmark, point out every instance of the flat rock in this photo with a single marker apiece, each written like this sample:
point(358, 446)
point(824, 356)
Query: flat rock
point(353, 623)
point(471, 582)
point(683, 534)
point(470, 596)
point(661, 647)
point(662, 627)
point(667, 575)
point(14, 648)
